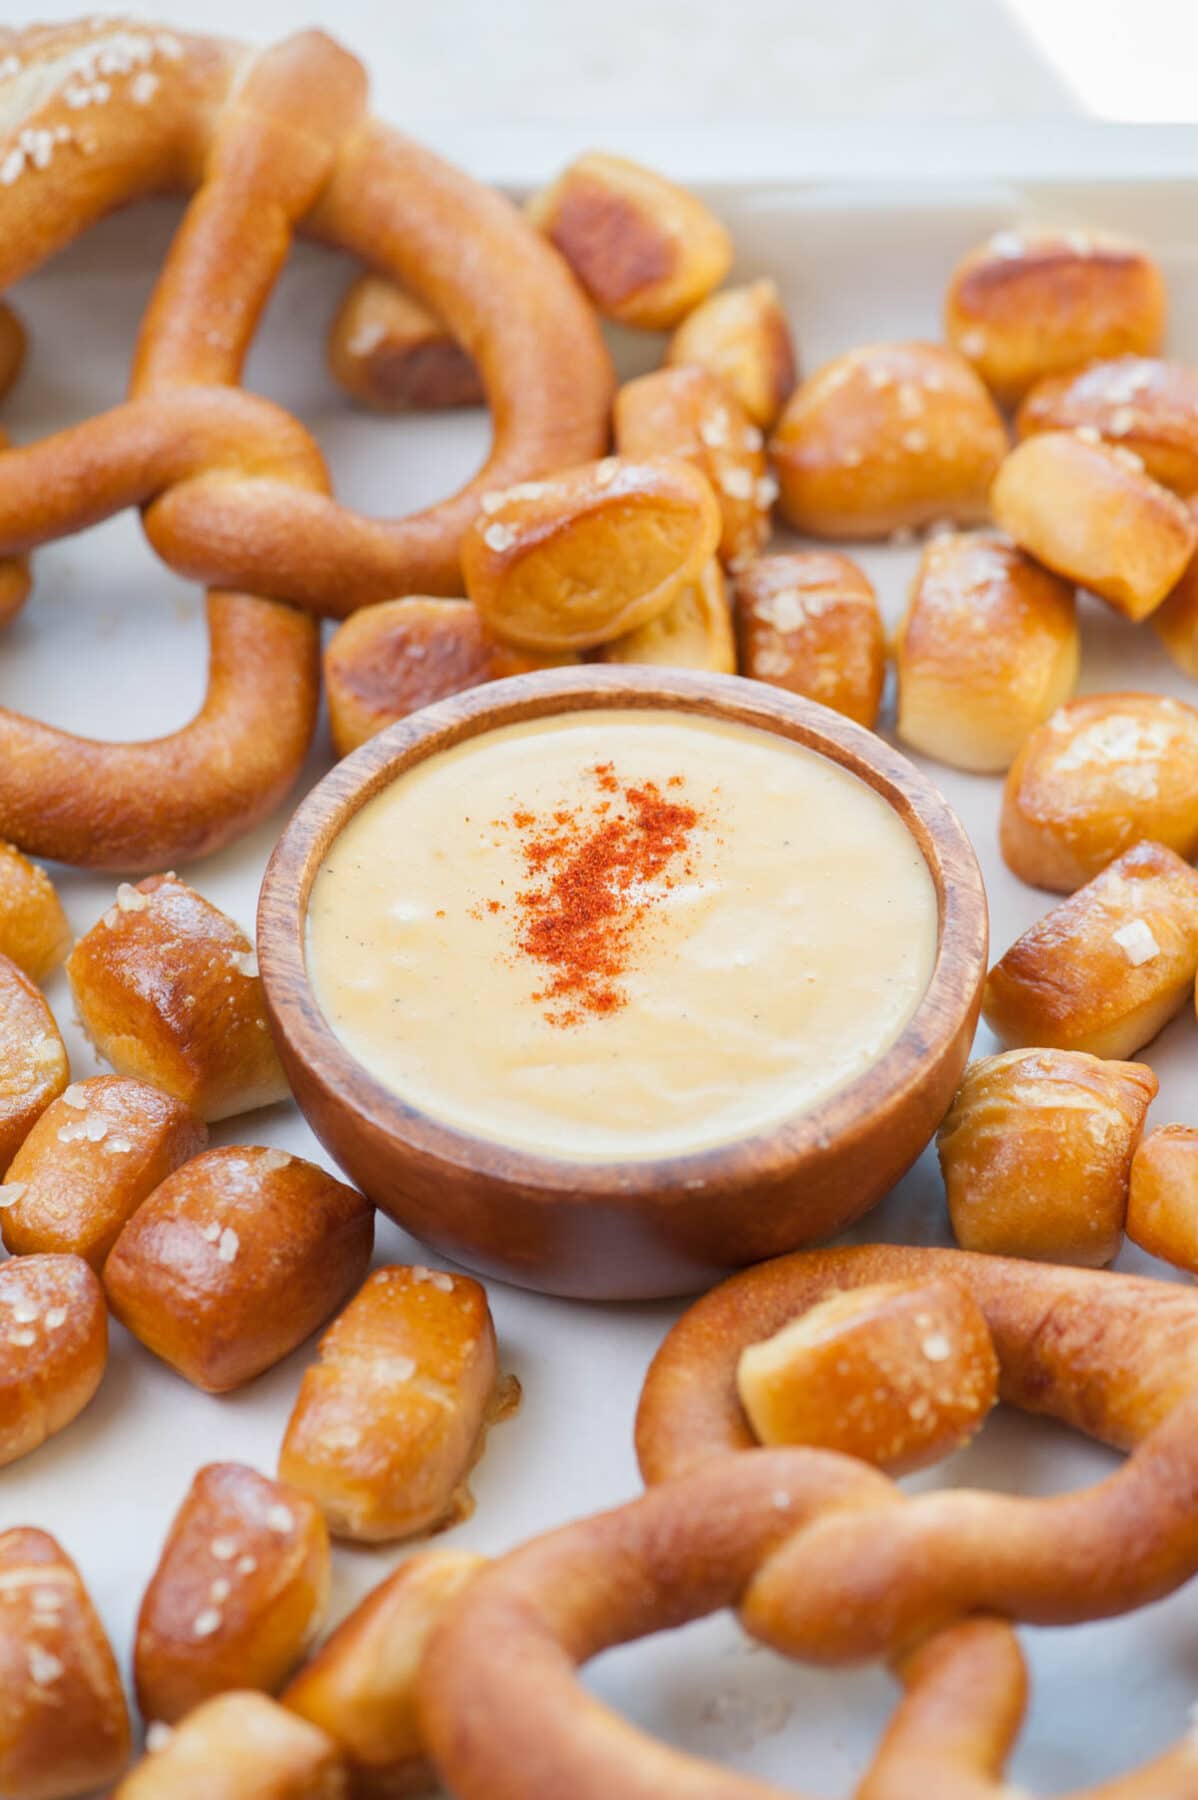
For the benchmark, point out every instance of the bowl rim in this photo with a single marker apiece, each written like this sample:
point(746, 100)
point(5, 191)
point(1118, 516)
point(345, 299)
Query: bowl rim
point(946, 1006)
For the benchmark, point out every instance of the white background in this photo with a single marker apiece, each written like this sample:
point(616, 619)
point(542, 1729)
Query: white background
point(111, 644)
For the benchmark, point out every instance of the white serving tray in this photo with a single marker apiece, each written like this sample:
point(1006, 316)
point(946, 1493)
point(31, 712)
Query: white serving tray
point(861, 237)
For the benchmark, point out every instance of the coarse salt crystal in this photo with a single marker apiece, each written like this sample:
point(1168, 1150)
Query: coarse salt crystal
point(1006, 244)
point(403, 1368)
point(605, 472)
point(207, 1622)
point(143, 87)
point(936, 1347)
point(229, 1245)
point(220, 1590)
point(714, 431)
point(1088, 434)
point(1121, 421)
point(499, 537)
point(22, 1340)
point(158, 1735)
point(119, 1145)
point(56, 1318)
point(129, 899)
point(95, 1130)
point(973, 342)
point(246, 963)
point(75, 1096)
point(1136, 941)
point(737, 484)
point(910, 400)
point(11, 1192)
point(24, 1313)
point(224, 1549)
point(44, 1667)
point(765, 493)
point(246, 1565)
point(280, 1519)
point(273, 1159)
point(915, 440)
point(211, 1232)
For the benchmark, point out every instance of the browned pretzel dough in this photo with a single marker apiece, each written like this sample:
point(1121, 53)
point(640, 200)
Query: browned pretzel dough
point(234, 491)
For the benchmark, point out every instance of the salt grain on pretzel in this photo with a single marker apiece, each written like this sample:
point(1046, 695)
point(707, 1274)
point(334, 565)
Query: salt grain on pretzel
point(33, 1059)
point(240, 1746)
point(392, 354)
point(235, 1259)
point(808, 621)
point(742, 336)
point(168, 990)
point(34, 932)
point(64, 1724)
point(53, 1347)
point(1148, 406)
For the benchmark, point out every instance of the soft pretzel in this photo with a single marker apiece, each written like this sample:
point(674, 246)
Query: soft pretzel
point(1036, 1152)
point(234, 492)
point(239, 1746)
point(1028, 305)
point(64, 1724)
point(391, 353)
point(34, 932)
point(1162, 1206)
point(1102, 773)
point(808, 621)
point(1175, 621)
point(694, 632)
point(168, 990)
point(393, 1416)
point(95, 1154)
point(1147, 405)
point(53, 1348)
point(987, 649)
point(33, 1059)
point(237, 1596)
point(742, 335)
point(235, 1259)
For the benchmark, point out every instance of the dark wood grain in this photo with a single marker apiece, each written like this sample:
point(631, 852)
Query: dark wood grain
point(646, 1228)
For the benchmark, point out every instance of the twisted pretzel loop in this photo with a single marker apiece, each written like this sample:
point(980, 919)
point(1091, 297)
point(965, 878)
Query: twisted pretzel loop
point(827, 1560)
point(234, 491)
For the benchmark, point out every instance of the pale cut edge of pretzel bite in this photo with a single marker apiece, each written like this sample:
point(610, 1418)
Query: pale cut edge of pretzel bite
point(1088, 510)
point(237, 1595)
point(1100, 774)
point(694, 632)
point(808, 621)
point(34, 1068)
point(1107, 968)
point(168, 991)
point(240, 1746)
point(1026, 305)
point(645, 250)
point(53, 1348)
point(742, 335)
point(988, 649)
point(34, 930)
point(391, 353)
point(1036, 1153)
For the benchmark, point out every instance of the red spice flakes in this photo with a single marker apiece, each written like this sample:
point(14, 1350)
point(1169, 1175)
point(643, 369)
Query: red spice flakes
point(596, 875)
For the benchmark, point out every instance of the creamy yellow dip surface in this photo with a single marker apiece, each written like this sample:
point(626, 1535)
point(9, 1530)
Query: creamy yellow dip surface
point(775, 957)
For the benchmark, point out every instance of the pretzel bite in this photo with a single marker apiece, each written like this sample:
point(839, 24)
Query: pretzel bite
point(887, 438)
point(53, 1347)
point(1109, 966)
point(1026, 305)
point(33, 1059)
point(389, 660)
point(168, 991)
point(95, 1154)
point(240, 1747)
point(694, 632)
point(988, 648)
point(34, 932)
point(235, 1259)
point(1147, 405)
point(1162, 1208)
point(391, 353)
point(586, 556)
point(237, 1596)
point(809, 622)
point(688, 413)
point(899, 1374)
point(1036, 1153)
point(1089, 511)
point(1104, 772)
point(645, 250)
point(392, 1418)
point(360, 1686)
point(1176, 620)
point(64, 1724)
point(742, 335)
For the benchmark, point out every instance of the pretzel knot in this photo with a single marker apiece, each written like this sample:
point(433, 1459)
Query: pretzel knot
point(827, 1560)
point(233, 490)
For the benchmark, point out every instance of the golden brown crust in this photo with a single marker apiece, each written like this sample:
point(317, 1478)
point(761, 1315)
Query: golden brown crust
point(694, 632)
point(689, 413)
point(240, 1746)
point(391, 1418)
point(1102, 773)
point(389, 660)
point(1162, 1208)
point(393, 354)
point(237, 1596)
point(1175, 621)
point(95, 1154)
point(34, 931)
point(742, 335)
point(235, 1259)
point(899, 1374)
point(586, 556)
point(53, 1348)
point(1036, 1153)
point(886, 438)
point(1024, 306)
point(808, 621)
point(168, 990)
point(360, 1686)
point(645, 250)
point(64, 1724)
point(1089, 511)
point(33, 1060)
point(1109, 966)
point(1147, 405)
point(988, 648)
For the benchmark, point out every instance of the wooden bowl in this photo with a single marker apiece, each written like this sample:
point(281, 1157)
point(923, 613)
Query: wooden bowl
point(645, 1228)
